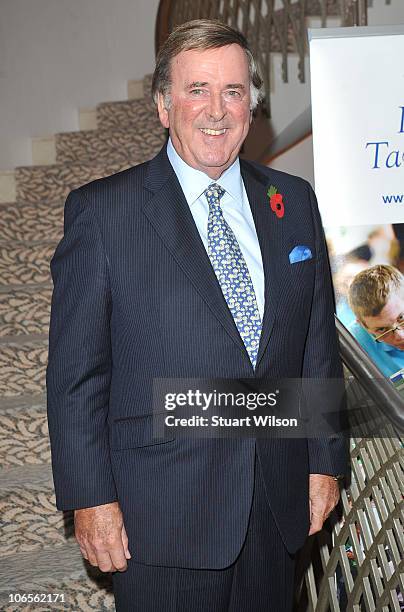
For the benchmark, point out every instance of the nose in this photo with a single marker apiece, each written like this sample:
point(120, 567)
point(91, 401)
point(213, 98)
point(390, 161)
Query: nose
point(399, 332)
point(216, 107)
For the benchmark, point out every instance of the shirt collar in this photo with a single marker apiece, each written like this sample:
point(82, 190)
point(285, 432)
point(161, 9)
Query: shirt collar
point(194, 182)
point(393, 350)
point(383, 346)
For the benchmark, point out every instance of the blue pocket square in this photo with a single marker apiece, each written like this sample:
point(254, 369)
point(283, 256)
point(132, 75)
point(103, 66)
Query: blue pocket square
point(299, 253)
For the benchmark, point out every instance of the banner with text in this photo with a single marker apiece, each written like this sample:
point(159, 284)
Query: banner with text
point(357, 88)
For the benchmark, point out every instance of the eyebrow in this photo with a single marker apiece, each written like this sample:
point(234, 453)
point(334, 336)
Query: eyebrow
point(380, 328)
point(204, 83)
point(196, 84)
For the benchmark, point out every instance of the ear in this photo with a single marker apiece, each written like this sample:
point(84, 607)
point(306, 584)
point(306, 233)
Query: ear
point(162, 111)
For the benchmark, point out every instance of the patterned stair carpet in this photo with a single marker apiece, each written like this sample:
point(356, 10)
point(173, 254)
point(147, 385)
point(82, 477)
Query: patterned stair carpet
point(38, 553)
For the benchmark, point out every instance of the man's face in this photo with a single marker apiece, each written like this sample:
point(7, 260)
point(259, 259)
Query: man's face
point(391, 315)
point(209, 115)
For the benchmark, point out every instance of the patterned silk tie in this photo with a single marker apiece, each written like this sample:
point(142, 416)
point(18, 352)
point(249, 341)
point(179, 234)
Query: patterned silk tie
point(232, 273)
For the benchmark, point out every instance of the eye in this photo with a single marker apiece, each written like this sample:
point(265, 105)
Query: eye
point(196, 92)
point(233, 93)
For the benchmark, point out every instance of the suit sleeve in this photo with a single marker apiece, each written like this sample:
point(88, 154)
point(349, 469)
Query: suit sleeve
point(327, 455)
point(79, 365)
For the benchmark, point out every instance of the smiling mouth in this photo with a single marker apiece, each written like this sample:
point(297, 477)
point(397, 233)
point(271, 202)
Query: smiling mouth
point(210, 132)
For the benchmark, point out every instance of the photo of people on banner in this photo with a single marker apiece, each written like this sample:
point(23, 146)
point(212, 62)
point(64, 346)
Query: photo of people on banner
point(368, 272)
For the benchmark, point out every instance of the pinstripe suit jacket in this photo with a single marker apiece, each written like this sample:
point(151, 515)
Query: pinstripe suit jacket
point(135, 298)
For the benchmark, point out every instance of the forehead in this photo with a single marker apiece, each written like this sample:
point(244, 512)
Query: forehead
point(388, 315)
point(226, 64)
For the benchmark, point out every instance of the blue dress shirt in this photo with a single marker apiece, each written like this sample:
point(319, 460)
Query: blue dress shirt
point(236, 211)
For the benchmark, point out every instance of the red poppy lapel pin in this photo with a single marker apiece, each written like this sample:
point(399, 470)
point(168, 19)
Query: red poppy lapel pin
point(276, 202)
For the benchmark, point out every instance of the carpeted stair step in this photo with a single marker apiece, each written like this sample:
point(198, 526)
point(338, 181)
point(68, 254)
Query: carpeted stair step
point(15, 477)
point(147, 83)
point(25, 310)
point(38, 553)
point(114, 146)
point(30, 519)
point(25, 222)
point(128, 114)
point(36, 184)
point(24, 441)
point(7, 186)
point(58, 570)
point(140, 89)
point(22, 402)
point(24, 264)
point(23, 366)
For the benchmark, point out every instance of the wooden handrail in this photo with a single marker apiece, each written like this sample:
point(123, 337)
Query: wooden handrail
point(162, 28)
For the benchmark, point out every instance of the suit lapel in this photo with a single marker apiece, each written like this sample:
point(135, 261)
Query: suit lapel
point(168, 212)
point(270, 233)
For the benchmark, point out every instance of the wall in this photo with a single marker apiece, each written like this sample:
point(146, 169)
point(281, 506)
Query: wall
point(298, 160)
point(59, 55)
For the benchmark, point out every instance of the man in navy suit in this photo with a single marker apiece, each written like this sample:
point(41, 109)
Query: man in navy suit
point(183, 268)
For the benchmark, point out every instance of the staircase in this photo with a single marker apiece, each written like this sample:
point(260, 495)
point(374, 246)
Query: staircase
point(38, 553)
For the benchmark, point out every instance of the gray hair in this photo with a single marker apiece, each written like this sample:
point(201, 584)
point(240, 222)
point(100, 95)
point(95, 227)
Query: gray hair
point(202, 34)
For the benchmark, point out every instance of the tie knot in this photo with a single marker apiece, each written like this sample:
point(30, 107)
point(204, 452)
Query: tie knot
point(213, 193)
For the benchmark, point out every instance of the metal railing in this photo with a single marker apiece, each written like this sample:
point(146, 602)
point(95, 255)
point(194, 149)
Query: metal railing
point(357, 562)
point(269, 25)
point(364, 370)
point(358, 565)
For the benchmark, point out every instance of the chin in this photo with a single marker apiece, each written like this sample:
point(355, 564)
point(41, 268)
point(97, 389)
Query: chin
point(213, 161)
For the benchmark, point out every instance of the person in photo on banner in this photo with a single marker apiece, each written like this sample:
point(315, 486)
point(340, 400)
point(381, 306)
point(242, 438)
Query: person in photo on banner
point(195, 264)
point(376, 296)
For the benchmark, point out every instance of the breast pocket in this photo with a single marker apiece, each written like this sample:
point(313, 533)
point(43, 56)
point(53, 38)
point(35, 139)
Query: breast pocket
point(305, 264)
point(296, 293)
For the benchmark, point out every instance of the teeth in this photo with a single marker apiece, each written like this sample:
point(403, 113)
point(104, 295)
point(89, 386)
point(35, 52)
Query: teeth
point(212, 132)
